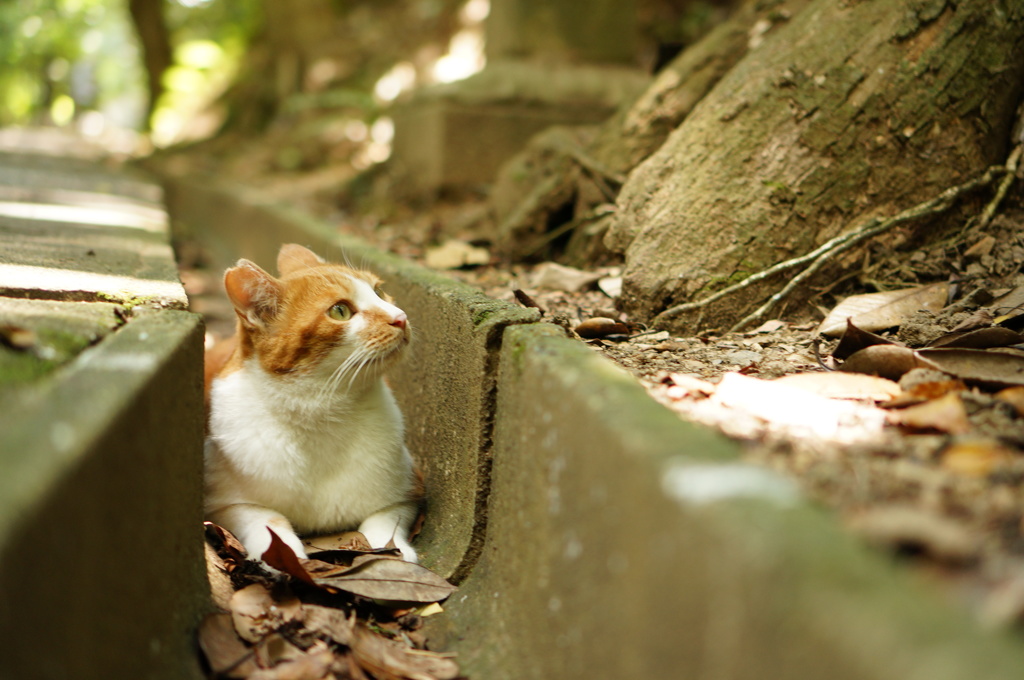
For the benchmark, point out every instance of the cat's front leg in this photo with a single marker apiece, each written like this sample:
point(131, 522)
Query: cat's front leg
point(249, 524)
point(391, 524)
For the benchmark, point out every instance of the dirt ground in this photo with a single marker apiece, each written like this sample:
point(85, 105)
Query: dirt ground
point(942, 492)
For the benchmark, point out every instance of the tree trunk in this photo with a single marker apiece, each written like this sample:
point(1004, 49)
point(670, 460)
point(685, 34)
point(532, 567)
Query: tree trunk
point(536, 186)
point(849, 110)
point(151, 27)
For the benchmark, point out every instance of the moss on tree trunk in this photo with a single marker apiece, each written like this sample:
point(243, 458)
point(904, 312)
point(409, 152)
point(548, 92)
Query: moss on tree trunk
point(851, 109)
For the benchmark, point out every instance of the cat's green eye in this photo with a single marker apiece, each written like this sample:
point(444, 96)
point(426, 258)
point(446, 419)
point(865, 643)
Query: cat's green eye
point(378, 291)
point(340, 312)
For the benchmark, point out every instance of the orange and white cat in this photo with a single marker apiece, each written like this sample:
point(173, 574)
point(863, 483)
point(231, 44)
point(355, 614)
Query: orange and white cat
point(304, 436)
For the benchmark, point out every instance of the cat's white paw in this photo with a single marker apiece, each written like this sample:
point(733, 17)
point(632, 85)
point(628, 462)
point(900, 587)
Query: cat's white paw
point(382, 529)
point(257, 541)
point(408, 552)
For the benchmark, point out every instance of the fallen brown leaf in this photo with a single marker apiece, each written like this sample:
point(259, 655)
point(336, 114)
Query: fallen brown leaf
point(226, 545)
point(855, 339)
point(385, 578)
point(1013, 396)
point(554, 276)
point(878, 311)
point(975, 458)
point(18, 338)
point(283, 558)
point(221, 588)
point(225, 653)
point(836, 385)
point(886, 361)
point(328, 623)
point(256, 613)
point(599, 327)
point(991, 368)
point(455, 255)
point(980, 338)
point(390, 658)
point(313, 666)
point(945, 414)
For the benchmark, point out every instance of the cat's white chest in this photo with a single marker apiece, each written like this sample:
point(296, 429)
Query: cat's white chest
point(324, 466)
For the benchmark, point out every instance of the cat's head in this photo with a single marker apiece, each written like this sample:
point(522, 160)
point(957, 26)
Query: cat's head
point(317, 318)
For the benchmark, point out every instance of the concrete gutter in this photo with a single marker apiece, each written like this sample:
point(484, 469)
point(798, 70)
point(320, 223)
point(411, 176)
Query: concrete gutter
point(594, 533)
point(446, 387)
point(101, 562)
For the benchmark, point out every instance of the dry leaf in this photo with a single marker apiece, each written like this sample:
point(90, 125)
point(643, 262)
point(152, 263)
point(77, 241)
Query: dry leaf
point(924, 391)
point(981, 318)
point(225, 653)
point(225, 545)
point(283, 558)
point(329, 623)
point(1014, 396)
point(769, 326)
point(878, 311)
point(886, 361)
point(256, 613)
point(1009, 305)
point(525, 300)
point(854, 339)
point(554, 276)
point(384, 578)
point(610, 286)
point(600, 327)
point(945, 414)
point(991, 368)
point(837, 385)
point(343, 540)
point(17, 337)
point(683, 385)
point(786, 406)
point(390, 658)
point(981, 338)
point(975, 458)
point(313, 666)
point(456, 254)
point(983, 247)
point(933, 389)
point(221, 588)
point(429, 610)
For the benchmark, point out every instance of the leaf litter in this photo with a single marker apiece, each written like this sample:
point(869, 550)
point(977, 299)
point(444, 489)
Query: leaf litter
point(911, 428)
point(349, 611)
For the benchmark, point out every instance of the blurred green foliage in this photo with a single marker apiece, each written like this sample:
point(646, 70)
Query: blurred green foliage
point(62, 58)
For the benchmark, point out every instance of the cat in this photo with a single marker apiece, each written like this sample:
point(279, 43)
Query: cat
point(303, 434)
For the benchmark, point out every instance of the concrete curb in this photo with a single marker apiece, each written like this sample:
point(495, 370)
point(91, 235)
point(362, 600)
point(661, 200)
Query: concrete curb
point(625, 543)
point(445, 388)
point(610, 539)
point(101, 561)
point(101, 558)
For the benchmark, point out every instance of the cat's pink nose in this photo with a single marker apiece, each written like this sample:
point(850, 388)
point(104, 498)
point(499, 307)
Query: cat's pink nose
point(400, 321)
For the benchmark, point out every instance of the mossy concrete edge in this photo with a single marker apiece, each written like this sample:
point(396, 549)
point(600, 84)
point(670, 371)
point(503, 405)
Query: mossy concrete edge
point(100, 509)
point(624, 542)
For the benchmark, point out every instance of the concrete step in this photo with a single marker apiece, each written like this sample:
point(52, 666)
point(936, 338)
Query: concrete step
point(101, 561)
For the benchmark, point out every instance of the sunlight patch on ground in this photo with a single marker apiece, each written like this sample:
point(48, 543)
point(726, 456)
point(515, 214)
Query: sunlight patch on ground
point(125, 288)
point(129, 217)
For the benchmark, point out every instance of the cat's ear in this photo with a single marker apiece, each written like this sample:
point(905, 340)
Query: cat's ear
point(294, 257)
point(254, 293)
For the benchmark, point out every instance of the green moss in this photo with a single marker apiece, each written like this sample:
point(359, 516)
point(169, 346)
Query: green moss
point(52, 349)
point(482, 314)
point(127, 301)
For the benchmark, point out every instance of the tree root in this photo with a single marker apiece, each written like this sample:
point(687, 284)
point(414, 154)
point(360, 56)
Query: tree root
point(819, 257)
